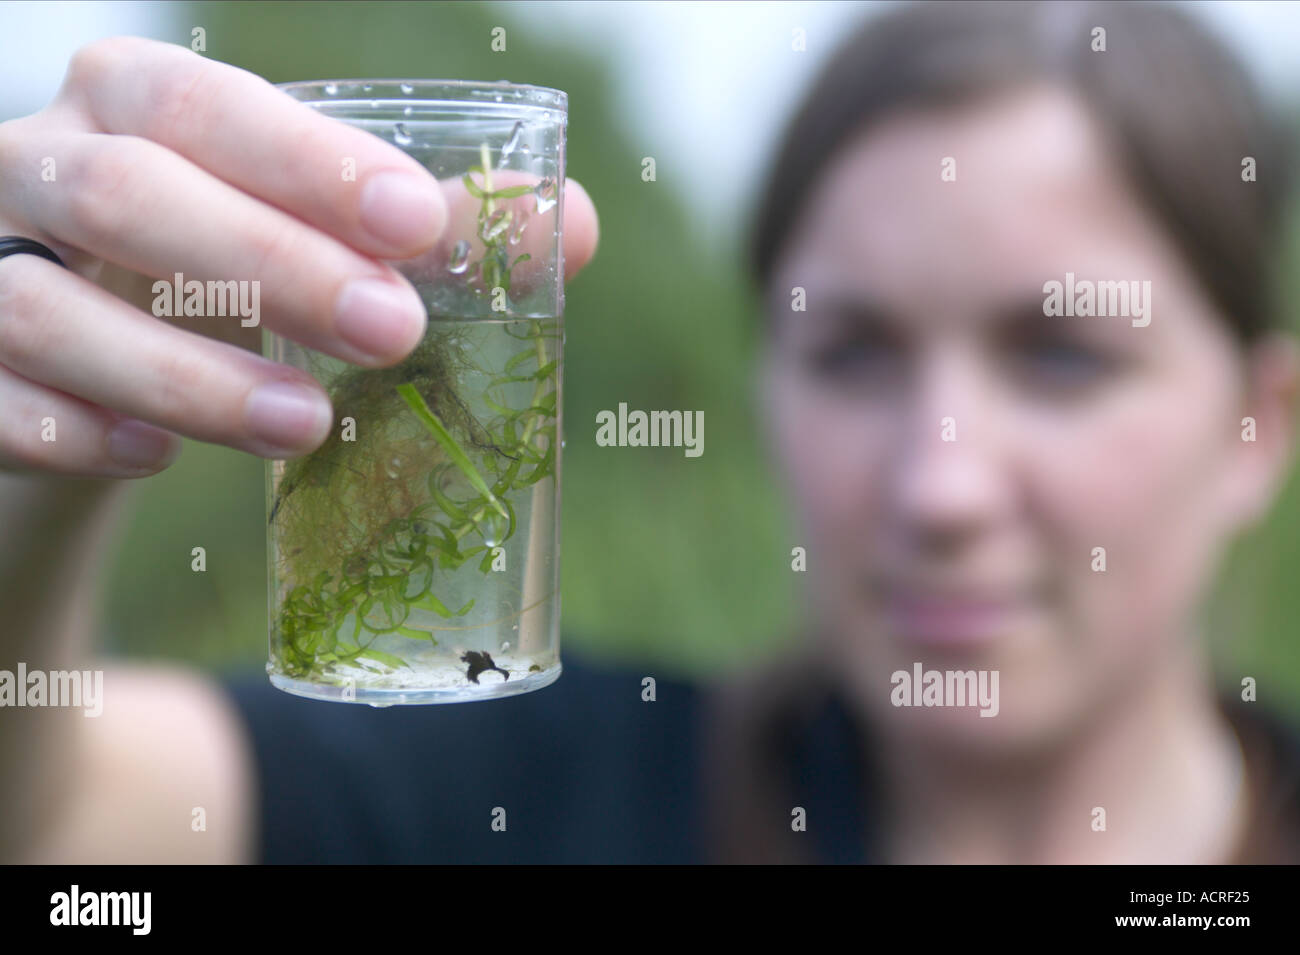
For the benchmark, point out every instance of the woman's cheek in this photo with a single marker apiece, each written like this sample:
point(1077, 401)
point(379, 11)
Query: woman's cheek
point(833, 462)
point(1123, 493)
point(831, 453)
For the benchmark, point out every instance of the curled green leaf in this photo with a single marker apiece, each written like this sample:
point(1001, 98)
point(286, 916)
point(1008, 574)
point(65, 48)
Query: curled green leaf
point(454, 450)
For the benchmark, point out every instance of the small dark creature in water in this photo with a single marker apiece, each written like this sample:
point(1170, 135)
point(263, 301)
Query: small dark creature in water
point(480, 662)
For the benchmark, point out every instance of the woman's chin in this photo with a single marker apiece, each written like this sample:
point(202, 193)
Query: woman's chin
point(1017, 729)
point(965, 700)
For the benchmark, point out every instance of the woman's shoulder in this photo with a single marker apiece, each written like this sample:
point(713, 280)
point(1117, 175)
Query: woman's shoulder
point(599, 766)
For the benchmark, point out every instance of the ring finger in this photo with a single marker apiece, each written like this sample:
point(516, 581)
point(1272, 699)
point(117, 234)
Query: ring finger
point(65, 333)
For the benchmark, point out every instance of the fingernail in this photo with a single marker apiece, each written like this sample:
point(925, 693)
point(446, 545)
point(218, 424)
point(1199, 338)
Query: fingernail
point(136, 445)
point(381, 319)
point(403, 209)
point(287, 417)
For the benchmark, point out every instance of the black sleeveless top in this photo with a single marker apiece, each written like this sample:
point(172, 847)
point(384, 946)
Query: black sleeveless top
point(585, 771)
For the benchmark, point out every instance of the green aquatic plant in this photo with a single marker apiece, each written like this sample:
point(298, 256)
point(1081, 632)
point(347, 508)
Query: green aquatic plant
point(366, 526)
point(494, 226)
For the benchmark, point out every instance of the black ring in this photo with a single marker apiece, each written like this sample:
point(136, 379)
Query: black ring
point(15, 244)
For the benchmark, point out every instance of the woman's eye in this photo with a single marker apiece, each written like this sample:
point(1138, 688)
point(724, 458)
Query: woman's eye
point(1063, 364)
point(849, 358)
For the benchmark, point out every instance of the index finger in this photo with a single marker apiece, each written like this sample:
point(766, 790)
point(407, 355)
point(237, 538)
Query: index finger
point(259, 139)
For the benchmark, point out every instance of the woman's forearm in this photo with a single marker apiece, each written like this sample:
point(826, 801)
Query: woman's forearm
point(56, 532)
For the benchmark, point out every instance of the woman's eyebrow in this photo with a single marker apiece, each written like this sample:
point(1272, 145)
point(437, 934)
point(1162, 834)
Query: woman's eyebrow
point(830, 309)
point(853, 307)
point(1019, 314)
point(1022, 317)
point(1023, 313)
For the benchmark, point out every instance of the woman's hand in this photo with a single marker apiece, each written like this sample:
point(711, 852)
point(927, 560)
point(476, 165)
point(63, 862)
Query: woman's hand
point(154, 160)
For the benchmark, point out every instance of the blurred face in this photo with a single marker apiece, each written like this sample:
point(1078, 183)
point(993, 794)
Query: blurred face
point(955, 457)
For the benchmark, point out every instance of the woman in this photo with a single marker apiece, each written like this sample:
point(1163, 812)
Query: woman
point(925, 307)
point(982, 487)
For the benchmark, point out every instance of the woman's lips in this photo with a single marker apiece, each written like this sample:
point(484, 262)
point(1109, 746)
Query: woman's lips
point(948, 621)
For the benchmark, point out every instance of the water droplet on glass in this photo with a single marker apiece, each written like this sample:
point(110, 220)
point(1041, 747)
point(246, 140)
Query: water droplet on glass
point(331, 89)
point(408, 111)
point(497, 97)
point(518, 231)
point(505, 646)
point(494, 528)
point(407, 88)
point(512, 142)
point(459, 258)
point(497, 224)
point(400, 135)
point(544, 191)
point(367, 88)
point(381, 706)
point(563, 443)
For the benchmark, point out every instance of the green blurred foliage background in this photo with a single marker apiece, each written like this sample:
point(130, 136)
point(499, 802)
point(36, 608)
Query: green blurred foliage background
point(683, 563)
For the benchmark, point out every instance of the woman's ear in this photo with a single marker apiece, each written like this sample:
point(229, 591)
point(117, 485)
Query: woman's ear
point(1267, 429)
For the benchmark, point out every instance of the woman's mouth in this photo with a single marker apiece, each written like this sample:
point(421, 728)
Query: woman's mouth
point(951, 619)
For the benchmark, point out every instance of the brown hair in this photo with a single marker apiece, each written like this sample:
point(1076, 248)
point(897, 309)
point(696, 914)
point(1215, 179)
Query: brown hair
point(1180, 111)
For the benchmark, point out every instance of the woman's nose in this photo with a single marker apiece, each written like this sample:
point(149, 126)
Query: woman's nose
point(951, 477)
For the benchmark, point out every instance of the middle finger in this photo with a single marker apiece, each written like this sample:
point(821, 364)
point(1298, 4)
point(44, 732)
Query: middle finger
point(137, 204)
